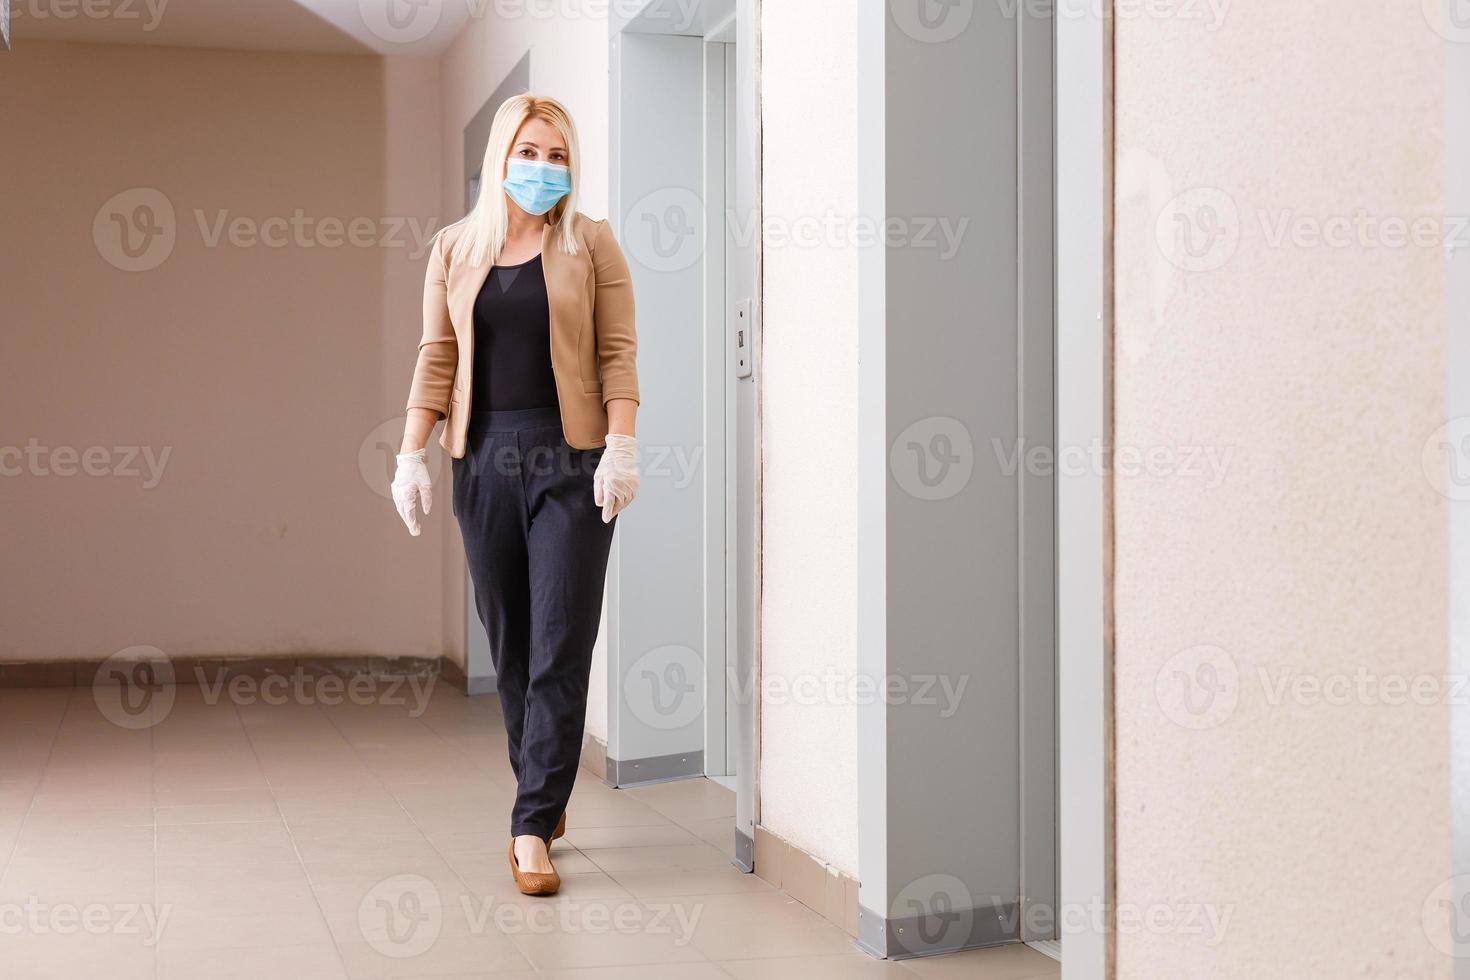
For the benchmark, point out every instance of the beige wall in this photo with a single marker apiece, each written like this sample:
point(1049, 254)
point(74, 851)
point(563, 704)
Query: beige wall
point(808, 775)
point(1319, 828)
point(260, 371)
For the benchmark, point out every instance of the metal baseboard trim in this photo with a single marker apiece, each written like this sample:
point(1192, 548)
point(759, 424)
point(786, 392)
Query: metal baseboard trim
point(1049, 947)
point(655, 769)
point(934, 934)
point(872, 937)
point(744, 858)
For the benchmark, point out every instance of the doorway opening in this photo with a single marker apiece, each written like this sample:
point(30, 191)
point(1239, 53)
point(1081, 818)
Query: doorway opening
point(682, 583)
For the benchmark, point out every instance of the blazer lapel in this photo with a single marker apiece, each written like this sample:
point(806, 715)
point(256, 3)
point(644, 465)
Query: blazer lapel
point(550, 257)
point(467, 285)
point(555, 266)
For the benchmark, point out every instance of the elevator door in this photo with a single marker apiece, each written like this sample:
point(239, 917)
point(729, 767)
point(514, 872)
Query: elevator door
point(682, 593)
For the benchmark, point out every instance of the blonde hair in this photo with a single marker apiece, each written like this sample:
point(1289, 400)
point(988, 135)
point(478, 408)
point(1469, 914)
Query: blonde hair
point(485, 225)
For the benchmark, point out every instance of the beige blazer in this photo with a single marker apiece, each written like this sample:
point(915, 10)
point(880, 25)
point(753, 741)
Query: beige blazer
point(594, 344)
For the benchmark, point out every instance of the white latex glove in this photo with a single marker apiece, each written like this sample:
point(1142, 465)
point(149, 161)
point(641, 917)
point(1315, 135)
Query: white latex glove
point(615, 483)
point(411, 485)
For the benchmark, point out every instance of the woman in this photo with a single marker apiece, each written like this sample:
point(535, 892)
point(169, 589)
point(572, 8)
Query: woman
point(528, 354)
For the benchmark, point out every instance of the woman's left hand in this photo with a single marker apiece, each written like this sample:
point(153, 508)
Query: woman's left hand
point(615, 483)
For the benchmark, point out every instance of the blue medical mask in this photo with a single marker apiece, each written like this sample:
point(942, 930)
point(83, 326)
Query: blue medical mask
point(537, 186)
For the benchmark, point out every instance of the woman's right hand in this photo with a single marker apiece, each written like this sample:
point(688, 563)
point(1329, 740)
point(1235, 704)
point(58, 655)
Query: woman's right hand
point(411, 487)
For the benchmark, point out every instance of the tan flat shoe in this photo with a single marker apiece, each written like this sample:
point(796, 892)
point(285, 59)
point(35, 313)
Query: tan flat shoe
point(532, 882)
point(561, 826)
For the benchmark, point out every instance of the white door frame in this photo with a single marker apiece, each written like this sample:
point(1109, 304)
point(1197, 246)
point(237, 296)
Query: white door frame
point(1084, 419)
point(745, 333)
point(720, 435)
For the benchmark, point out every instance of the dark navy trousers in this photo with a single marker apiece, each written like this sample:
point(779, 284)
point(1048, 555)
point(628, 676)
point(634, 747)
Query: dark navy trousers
point(537, 551)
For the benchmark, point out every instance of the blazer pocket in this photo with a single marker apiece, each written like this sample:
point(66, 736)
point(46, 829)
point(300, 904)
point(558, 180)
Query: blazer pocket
point(591, 387)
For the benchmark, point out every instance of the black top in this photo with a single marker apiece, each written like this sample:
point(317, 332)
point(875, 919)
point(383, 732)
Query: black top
point(513, 340)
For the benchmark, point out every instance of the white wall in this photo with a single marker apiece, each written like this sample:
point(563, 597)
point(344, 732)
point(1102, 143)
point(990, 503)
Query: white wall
point(569, 61)
point(809, 424)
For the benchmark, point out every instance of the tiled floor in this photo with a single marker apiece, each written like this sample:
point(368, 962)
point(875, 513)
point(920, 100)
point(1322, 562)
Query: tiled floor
point(316, 840)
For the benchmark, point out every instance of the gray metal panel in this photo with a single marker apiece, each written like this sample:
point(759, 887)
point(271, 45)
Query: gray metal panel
point(744, 858)
point(956, 525)
point(1084, 668)
point(656, 595)
point(1037, 518)
point(952, 391)
point(658, 769)
point(934, 932)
